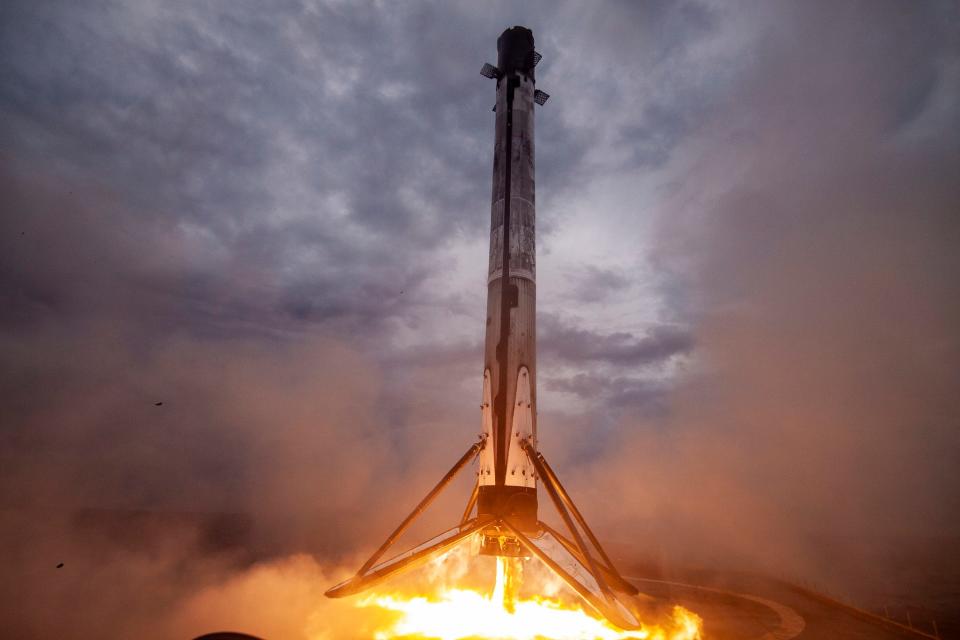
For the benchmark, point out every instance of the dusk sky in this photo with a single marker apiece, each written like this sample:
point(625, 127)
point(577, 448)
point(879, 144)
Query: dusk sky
point(274, 219)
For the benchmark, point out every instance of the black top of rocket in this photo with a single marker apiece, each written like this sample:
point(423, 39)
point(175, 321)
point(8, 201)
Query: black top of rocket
point(515, 52)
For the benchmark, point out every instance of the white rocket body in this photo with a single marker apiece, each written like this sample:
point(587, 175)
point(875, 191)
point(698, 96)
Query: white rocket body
point(507, 478)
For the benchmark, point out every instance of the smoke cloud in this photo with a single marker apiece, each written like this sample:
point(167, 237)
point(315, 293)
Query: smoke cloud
point(814, 432)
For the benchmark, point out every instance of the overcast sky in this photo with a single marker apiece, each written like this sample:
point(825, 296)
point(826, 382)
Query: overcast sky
point(273, 218)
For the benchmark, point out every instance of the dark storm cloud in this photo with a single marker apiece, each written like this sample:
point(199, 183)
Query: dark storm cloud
point(227, 121)
point(583, 346)
point(328, 150)
point(656, 132)
point(596, 284)
point(640, 396)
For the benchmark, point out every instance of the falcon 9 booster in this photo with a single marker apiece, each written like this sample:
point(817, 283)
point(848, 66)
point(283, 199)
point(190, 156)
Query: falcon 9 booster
point(507, 479)
point(504, 498)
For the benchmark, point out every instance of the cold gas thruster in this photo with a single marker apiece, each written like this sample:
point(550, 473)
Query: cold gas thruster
point(502, 509)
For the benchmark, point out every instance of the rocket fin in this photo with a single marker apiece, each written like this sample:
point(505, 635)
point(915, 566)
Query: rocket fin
point(487, 458)
point(520, 471)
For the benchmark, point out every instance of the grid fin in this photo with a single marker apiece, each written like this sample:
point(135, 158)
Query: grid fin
point(489, 71)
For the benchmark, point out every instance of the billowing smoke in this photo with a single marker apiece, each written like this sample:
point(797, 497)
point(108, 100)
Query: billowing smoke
point(815, 430)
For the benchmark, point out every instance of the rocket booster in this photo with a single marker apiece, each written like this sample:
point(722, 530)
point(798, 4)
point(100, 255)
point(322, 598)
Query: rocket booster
point(506, 477)
point(510, 466)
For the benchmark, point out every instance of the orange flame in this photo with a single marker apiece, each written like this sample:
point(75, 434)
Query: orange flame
point(463, 613)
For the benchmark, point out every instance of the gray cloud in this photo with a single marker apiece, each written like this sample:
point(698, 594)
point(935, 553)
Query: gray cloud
point(596, 284)
point(636, 394)
point(624, 349)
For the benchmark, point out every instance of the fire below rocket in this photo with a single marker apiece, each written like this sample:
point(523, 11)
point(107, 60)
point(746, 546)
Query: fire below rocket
point(504, 498)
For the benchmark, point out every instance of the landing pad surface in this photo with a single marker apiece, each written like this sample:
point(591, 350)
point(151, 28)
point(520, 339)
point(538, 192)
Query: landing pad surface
point(752, 608)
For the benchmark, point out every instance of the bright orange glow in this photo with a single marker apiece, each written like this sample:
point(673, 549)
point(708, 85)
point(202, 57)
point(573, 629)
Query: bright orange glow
point(462, 614)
